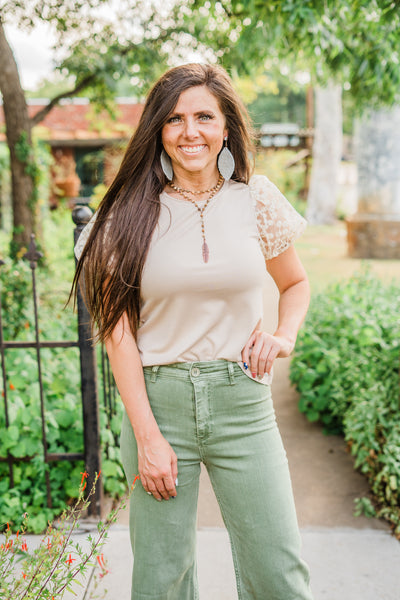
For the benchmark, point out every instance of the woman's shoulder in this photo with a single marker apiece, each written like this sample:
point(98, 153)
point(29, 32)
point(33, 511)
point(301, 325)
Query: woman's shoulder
point(262, 190)
point(259, 188)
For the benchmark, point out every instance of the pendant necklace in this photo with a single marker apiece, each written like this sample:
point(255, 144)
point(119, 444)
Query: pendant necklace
point(212, 191)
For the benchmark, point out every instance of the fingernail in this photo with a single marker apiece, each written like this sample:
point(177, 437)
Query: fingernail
point(246, 366)
point(253, 374)
point(176, 481)
point(172, 497)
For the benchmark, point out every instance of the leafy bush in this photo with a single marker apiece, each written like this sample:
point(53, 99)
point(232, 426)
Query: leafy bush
point(61, 386)
point(346, 368)
point(15, 283)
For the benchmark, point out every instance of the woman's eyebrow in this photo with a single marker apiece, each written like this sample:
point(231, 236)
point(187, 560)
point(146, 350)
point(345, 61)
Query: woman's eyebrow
point(199, 112)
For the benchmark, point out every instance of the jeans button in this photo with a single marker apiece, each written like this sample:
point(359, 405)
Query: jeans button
point(195, 371)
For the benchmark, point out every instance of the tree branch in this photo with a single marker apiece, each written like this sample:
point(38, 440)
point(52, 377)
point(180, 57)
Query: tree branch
point(40, 115)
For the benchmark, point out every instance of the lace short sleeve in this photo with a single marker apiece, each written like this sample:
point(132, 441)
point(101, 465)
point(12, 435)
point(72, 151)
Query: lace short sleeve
point(83, 238)
point(279, 224)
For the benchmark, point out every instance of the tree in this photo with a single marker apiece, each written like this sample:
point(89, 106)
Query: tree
point(19, 142)
point(98, 41)
point(327, 154)
point(351, 42)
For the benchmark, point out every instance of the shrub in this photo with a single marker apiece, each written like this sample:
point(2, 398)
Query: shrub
point(346, 368)
point(63, 408)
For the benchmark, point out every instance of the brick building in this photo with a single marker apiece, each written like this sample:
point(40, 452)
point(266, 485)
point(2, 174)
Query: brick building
point(86, 146)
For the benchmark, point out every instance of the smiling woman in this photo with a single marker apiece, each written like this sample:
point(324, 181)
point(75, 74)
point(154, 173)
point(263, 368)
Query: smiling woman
point(174, 265)
point(193, 136)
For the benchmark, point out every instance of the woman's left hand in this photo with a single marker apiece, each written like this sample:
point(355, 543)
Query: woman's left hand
point(265, 348)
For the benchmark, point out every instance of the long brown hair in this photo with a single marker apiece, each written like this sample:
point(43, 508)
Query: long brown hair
point(113, 258)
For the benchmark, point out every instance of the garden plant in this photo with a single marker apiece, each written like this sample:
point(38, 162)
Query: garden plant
point(58, 562)
point(346, 369)
point(61, 386)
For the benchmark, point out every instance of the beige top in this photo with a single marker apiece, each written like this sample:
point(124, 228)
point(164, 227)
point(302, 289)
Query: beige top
point(195, 311)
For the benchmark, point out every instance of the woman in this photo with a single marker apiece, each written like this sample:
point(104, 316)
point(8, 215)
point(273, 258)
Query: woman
point(174, 264)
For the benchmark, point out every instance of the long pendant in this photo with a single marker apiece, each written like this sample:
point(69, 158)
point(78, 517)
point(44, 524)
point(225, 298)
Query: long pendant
point(204, 248)
point(206, 252)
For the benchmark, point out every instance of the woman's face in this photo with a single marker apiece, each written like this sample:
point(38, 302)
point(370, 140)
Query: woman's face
point(194, 133)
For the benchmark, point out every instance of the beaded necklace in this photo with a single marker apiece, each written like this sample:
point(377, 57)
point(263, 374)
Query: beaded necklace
point(212, 191)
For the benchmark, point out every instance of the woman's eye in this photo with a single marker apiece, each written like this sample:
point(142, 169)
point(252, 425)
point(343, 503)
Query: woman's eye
point(175, 119)
point(206, 117)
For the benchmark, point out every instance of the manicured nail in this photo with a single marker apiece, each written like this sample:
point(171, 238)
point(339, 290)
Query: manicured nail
point(253, 374)
point(246, 366)
point(176, 481)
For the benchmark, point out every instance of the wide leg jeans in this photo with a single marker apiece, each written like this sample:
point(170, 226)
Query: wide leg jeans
point(211, 412)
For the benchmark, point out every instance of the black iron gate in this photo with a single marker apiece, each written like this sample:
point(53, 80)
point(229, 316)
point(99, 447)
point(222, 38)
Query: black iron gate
point(88, 369)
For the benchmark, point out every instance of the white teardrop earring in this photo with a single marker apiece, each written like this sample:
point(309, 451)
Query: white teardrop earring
point(166, 165)
point(226, 162)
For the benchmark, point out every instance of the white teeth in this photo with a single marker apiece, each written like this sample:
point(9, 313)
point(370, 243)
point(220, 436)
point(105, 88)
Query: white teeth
point(192, 149)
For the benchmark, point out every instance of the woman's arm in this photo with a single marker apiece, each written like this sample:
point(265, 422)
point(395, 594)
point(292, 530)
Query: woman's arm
point(157, 460)
point(291, 280)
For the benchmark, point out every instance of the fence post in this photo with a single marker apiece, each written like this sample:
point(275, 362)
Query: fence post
point(90, 402)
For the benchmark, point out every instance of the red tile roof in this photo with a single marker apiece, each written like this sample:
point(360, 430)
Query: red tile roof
point(77, 120)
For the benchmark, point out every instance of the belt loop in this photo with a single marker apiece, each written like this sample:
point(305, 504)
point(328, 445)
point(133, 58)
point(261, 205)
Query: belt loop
point(231, 373)
point(154, 371)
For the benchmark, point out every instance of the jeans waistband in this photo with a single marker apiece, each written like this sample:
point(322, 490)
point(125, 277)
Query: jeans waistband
point(213, 368)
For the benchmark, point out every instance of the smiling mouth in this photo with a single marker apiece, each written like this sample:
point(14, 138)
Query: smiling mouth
point(192, 149)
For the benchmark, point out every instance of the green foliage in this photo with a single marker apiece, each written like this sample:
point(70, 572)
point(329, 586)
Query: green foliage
point(64, 433)
point(61, 386)
point(346, 368)
point(290, 182)
point(356, 42)
point(285, 104)
point(25, 154)
point(15, 281)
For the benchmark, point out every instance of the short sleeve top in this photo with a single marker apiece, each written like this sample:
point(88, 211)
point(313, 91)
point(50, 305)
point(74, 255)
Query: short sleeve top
point(195, 311)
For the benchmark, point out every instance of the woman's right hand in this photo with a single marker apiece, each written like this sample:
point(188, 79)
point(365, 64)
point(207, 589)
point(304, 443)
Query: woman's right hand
point(158, 466)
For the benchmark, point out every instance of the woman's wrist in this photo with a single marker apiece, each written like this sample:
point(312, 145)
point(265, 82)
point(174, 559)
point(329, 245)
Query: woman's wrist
point(288, 340)
point(287, 334)
point(145, 433)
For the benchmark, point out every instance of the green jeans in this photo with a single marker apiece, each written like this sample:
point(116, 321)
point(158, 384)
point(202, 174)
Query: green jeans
point(211, 412)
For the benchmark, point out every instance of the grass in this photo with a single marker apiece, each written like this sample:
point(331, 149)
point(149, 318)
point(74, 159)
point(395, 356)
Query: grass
point(323, 251)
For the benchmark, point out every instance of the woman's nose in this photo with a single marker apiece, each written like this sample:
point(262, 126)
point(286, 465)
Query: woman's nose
point(190, 128)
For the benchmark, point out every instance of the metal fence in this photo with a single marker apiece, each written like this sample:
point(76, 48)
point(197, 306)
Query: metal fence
point(88, 371)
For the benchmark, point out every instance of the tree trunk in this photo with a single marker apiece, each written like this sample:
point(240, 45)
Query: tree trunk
point(327, 153)
point(374, 231)
point(18, 131)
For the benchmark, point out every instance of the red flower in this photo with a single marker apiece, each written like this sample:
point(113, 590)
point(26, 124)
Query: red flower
point(48, 544)
point(102, 565)
point(83, 480)
point(24, 546)
point(12, 386)
point(134, 481)
point(24, 575)
point(70, 560)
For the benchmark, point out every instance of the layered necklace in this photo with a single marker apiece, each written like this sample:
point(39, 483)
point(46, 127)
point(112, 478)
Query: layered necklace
point(212, 191)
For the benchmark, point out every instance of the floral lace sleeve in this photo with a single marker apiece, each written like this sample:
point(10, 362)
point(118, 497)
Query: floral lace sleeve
point(83, 238)
point(279, 224)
